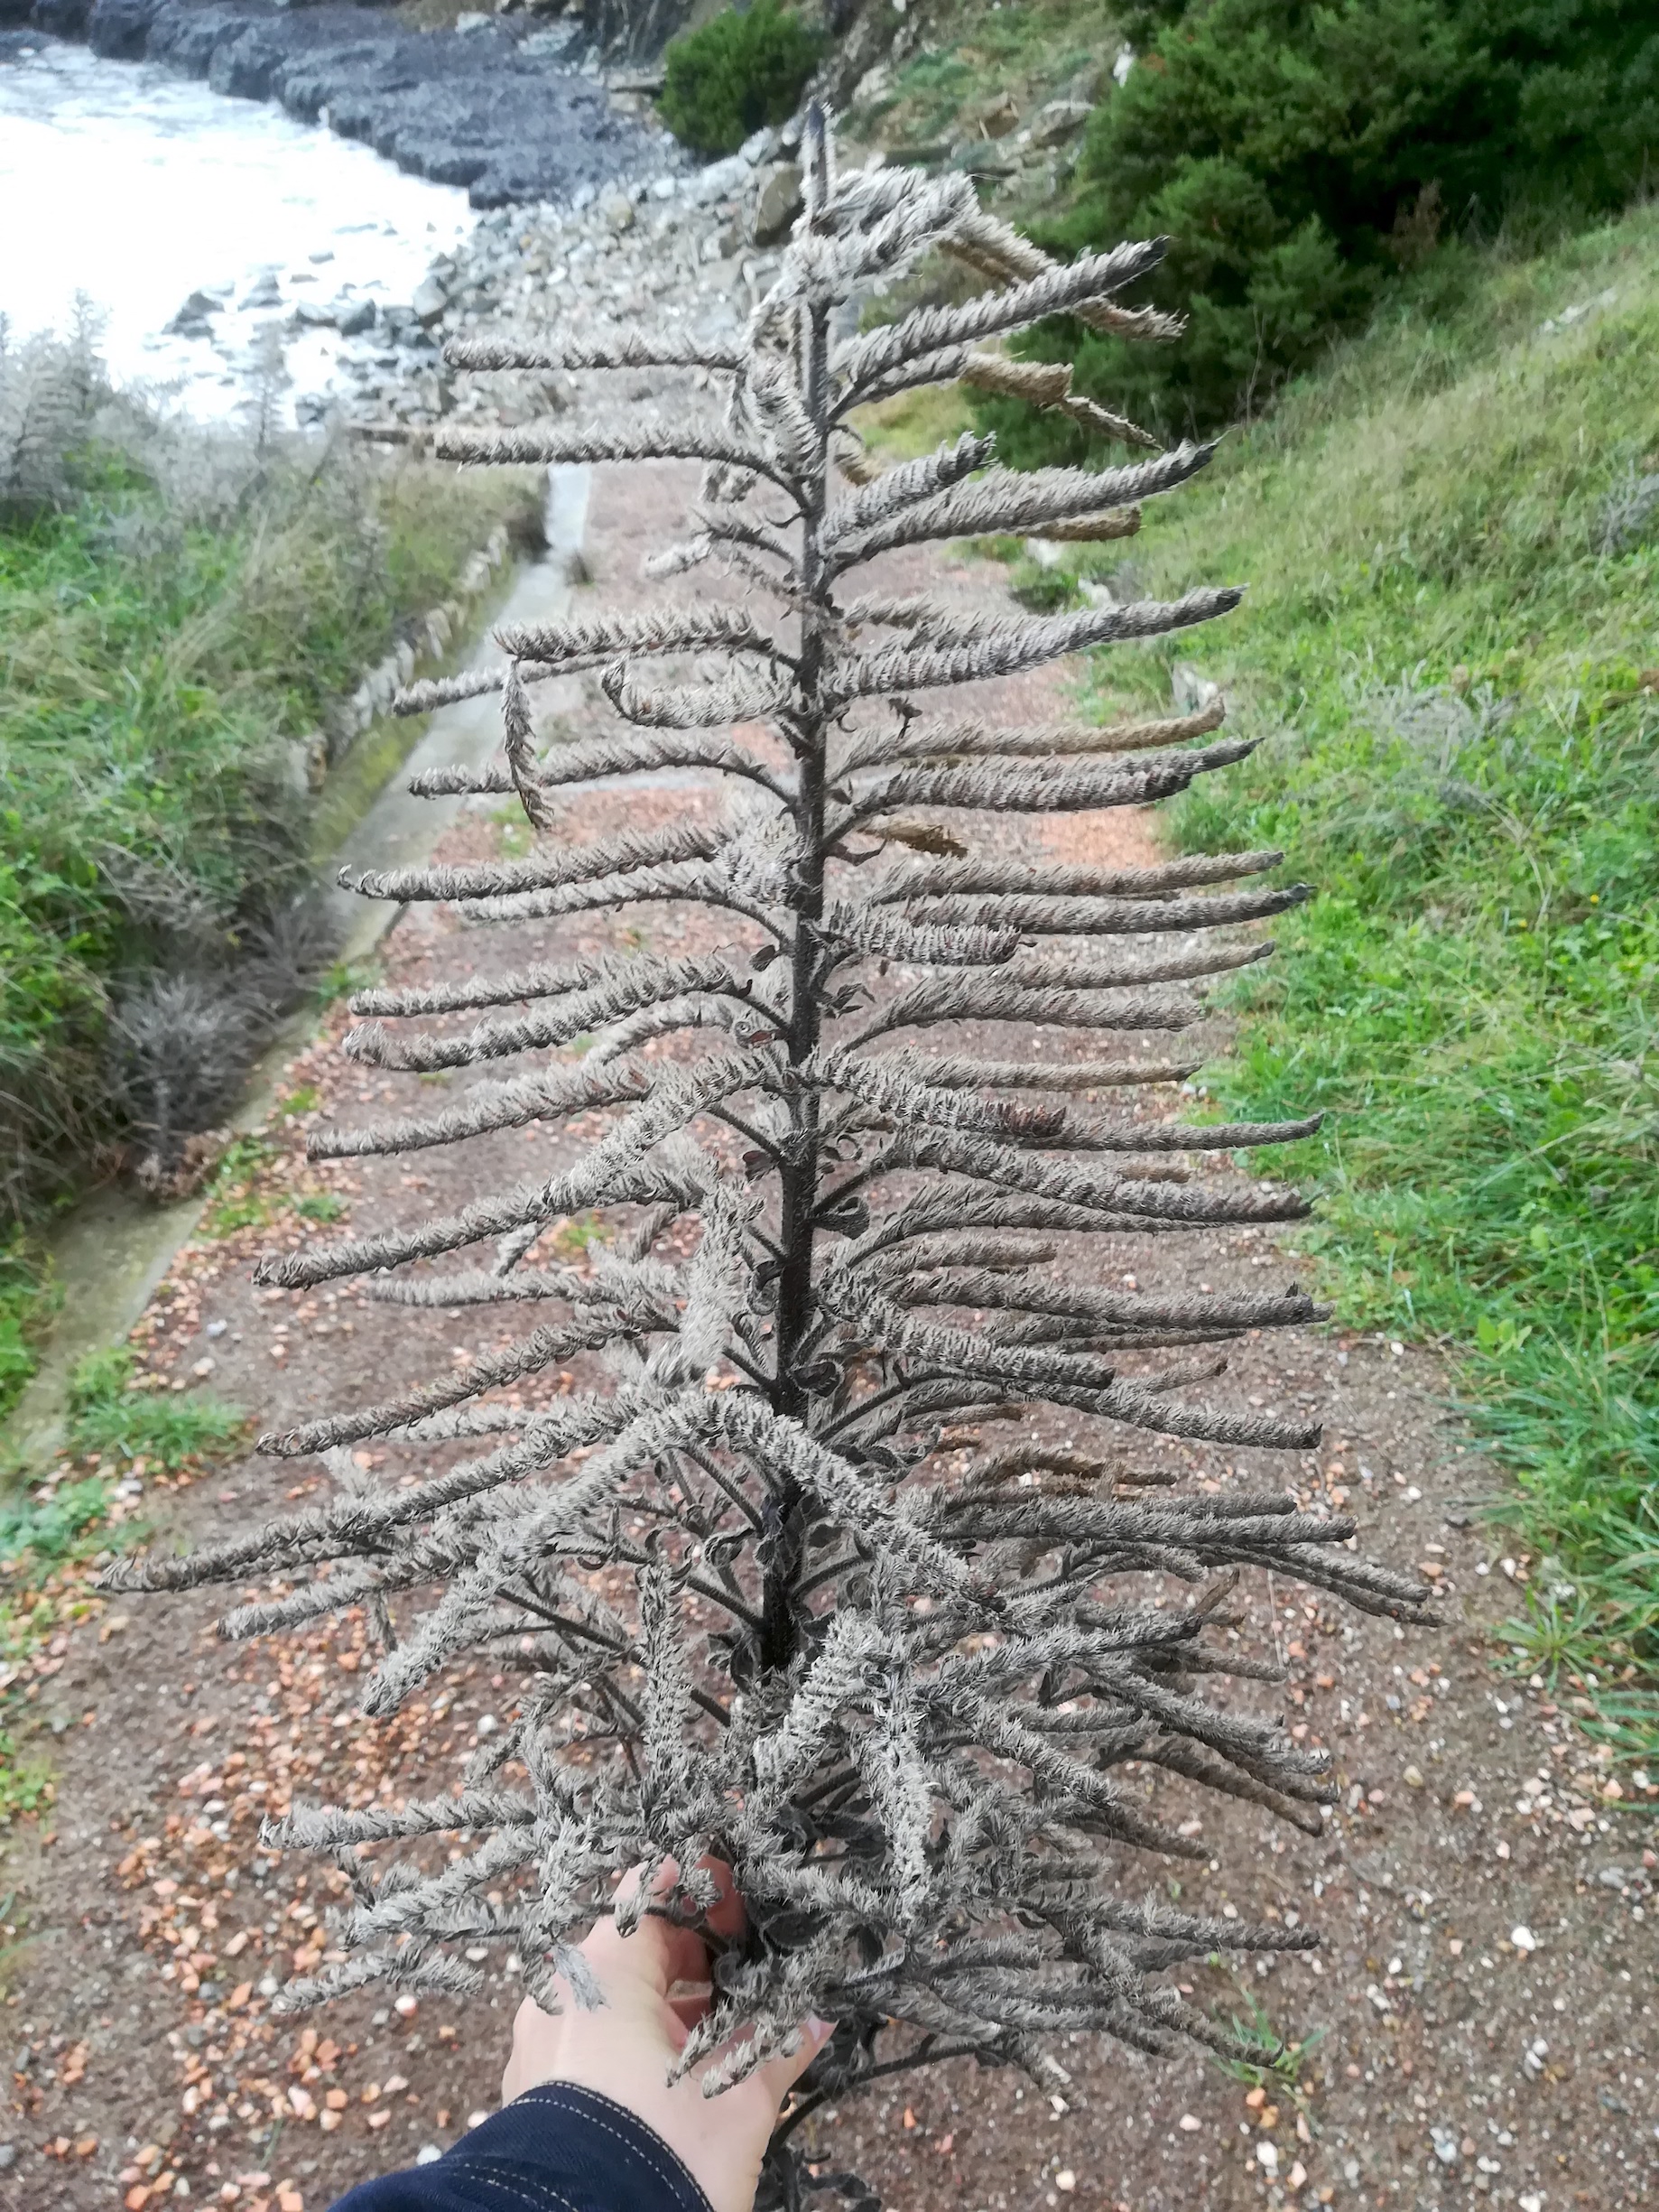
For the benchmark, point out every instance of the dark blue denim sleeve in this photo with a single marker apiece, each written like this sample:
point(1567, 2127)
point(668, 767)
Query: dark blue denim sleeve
point(555, 2148)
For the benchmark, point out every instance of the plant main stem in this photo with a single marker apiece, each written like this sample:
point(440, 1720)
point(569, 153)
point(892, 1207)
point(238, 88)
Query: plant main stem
point(783, 1546)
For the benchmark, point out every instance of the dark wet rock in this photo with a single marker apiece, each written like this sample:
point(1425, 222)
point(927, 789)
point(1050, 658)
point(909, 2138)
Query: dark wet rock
point(491, 109)
point(65, 19)
point(191, 320)
point(245, 65)
point(119, 30)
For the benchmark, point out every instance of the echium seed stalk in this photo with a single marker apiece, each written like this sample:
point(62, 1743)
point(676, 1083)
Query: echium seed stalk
point(842, 1574)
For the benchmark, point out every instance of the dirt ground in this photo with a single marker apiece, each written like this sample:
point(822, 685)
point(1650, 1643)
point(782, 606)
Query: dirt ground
point(1477, 2026)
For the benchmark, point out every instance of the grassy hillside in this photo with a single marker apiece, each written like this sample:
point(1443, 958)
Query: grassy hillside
point(944, 87)
point(178, 606)
point(1452, 646)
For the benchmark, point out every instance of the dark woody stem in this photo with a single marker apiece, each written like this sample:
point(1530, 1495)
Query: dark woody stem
point(783, 1543)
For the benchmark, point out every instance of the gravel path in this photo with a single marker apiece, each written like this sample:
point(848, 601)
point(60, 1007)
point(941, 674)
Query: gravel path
point(1478, 2026)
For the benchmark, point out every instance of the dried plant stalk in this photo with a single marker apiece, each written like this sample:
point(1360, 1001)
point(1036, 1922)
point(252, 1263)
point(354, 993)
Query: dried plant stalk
point(756, 1609)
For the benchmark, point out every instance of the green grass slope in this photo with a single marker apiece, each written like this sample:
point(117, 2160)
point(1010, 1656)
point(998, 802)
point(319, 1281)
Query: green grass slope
point(181, 612)
point(1452, 645)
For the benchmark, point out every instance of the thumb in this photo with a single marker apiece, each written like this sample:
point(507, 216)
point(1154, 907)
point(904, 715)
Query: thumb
point(780, 2076)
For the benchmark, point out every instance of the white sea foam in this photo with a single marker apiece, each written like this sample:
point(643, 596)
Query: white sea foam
point(136, 188)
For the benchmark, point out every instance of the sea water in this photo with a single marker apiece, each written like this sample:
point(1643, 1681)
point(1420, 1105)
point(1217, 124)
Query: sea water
point(131, 188)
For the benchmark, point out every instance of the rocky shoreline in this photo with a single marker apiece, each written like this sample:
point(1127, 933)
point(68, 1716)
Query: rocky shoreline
point(690, 249)
point(509, 108)
point(626, 226)
point(590, 217)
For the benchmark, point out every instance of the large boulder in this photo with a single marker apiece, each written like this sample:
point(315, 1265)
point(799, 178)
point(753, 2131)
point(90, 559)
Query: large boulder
point(120, 29)
point(1060, 120)
point(777, 203)
point(244, 66)
point(185, 36)
point(431, 296)
point(1000, 116)
point(63, 19)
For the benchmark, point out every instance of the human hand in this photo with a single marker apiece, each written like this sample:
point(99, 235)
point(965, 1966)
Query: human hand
point(656, 1989)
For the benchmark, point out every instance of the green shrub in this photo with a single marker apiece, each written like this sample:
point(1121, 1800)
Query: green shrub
point(1448, 645)
point(106, 1413)
point(50, 1529)
point(1299, 156)
point(745, 68)
point(177, 606)
point(27, 1296)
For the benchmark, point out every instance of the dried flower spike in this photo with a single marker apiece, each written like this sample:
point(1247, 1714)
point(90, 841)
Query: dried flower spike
point(845, 1579)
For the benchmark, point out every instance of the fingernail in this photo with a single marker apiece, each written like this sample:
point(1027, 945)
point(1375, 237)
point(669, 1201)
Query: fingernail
point(818, 2030)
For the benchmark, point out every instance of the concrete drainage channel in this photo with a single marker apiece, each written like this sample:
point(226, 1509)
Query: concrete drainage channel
point(115, 1247)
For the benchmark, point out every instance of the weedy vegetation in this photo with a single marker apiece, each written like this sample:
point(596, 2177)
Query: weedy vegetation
point(111, 1418)
point(178, 608)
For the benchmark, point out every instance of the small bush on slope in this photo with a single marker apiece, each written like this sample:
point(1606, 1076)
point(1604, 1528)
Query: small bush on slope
point(744, 69)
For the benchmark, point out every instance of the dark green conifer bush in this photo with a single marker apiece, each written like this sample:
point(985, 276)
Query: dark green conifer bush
point(746, 68)
point(1301, 157)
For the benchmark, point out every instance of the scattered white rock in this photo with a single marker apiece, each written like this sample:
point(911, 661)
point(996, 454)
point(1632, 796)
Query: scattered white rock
point(1193, 692)
point(1060, 120)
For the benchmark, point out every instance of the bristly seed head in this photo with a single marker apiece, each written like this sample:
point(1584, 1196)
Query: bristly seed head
point(772, 1593)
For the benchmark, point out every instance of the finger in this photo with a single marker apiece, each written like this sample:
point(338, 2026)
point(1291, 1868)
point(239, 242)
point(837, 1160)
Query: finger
point(662, 1951)
point(726, 1916)
point(659, 1953)
point(780, 2075)
point(530, 2026)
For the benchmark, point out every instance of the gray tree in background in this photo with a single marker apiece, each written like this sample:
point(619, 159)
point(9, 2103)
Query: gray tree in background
point(855, 1579)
